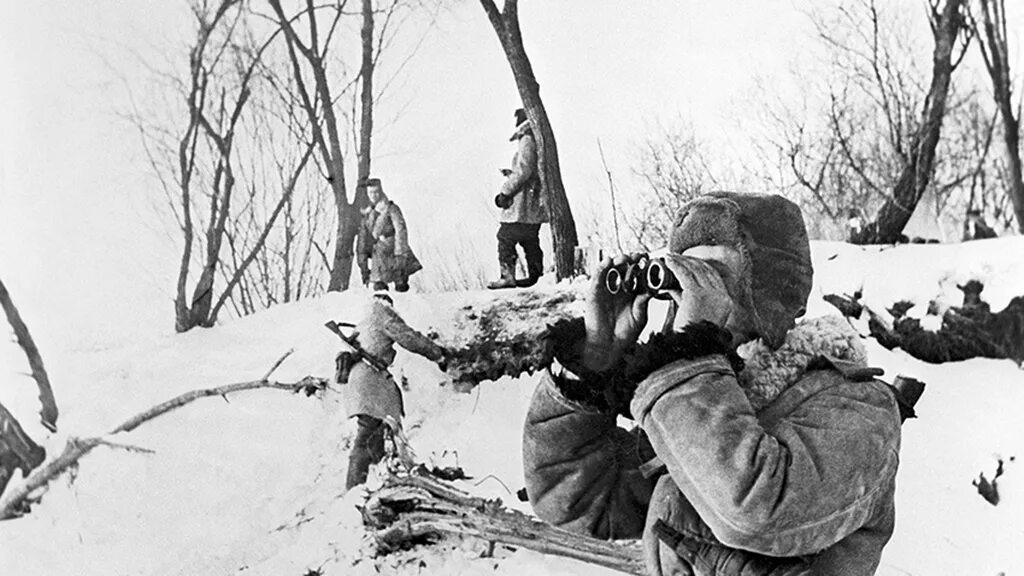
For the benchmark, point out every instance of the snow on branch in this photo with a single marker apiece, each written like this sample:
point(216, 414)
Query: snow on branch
point(506, 336)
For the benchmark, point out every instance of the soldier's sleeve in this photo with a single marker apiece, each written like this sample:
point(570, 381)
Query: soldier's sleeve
point(583, 472)
point(364, 242)
point(525, 167)
point(401, 232)
point(409, 338)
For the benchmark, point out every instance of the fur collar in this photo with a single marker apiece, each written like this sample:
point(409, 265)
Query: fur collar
point(521, 131)
point(768, 372)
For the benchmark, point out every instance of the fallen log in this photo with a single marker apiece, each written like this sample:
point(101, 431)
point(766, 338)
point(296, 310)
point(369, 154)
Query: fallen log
point(411, 508)
point(505, 335)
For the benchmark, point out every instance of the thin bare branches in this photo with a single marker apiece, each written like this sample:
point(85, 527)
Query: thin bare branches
point(993, 44)
point(611, 191)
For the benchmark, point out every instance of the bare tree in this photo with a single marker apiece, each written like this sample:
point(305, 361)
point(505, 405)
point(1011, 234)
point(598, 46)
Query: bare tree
point(563, 227)
point(870, 150)
point(308, 57)
point(213, 172)
point(317, 93)
point(366, 68)
point(216, 96)
point(951, 40)
point(994, 47)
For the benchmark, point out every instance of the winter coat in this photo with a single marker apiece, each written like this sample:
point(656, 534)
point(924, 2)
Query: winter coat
point(523, 183)
point(803, 485)
point(373, 392)
point(384, 237)
point(978, 230)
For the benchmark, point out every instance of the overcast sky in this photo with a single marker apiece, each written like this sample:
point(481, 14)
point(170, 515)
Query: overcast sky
point(81, 251)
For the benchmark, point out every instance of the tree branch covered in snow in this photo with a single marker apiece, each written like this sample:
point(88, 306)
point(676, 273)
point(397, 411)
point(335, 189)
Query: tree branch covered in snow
point(409, 508)
point(76, 448)
point(505, 337)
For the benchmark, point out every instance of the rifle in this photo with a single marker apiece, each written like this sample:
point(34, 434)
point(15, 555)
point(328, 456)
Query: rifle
point(353, 343)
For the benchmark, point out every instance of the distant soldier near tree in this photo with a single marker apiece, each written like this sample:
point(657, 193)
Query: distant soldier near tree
point(384, 238)
point(975, 228)
point(854, 225)
point(523, 211)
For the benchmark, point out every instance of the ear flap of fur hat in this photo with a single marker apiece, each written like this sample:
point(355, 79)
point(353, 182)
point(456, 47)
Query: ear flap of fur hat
point(769, 232)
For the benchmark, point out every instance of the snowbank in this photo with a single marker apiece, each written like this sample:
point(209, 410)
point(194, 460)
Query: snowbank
point(254, 484)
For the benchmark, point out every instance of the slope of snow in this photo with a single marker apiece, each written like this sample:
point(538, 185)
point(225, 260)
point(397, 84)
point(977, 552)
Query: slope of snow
point(254, 483)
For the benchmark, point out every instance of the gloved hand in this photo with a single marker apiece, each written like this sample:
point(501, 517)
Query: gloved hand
point(503, 201)
point(702, 294)
point(613, 321)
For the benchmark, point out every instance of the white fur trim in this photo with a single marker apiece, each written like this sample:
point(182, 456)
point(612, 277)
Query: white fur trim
point(768, 373)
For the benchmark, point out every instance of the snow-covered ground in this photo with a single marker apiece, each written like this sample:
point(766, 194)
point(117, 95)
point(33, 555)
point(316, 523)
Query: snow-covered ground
point(254, 484)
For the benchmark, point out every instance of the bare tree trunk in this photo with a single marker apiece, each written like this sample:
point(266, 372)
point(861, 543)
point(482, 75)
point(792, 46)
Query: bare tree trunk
point(563, 227)
point(48, 414)
point(917, 173)
point(995, 49)
point(325, 134)
point(220, 133)
point(186, 167)
point(366, 95)
point(348, 225)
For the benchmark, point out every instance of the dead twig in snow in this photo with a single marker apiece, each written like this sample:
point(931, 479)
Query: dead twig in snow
point(78, 447)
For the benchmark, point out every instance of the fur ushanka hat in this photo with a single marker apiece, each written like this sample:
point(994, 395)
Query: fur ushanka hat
point(769, 232)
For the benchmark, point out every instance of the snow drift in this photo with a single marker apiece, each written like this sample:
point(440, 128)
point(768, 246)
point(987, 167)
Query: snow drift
point(254, 483)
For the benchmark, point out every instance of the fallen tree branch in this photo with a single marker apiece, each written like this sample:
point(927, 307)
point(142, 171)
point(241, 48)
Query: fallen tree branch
point(76, 448)
point(48, 413)
point(187, 397)
point(409, 508)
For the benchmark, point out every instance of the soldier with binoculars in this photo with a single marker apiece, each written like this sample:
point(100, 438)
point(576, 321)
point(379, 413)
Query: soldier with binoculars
point(761, 446)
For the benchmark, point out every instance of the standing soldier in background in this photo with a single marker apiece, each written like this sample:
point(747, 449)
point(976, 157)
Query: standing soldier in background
point(523, 211)
point(975, 228)
point(371, 395)
point(384, 237)
point(854, 225)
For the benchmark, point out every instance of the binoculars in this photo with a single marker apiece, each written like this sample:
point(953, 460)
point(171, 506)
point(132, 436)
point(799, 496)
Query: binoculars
point(644, 276)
